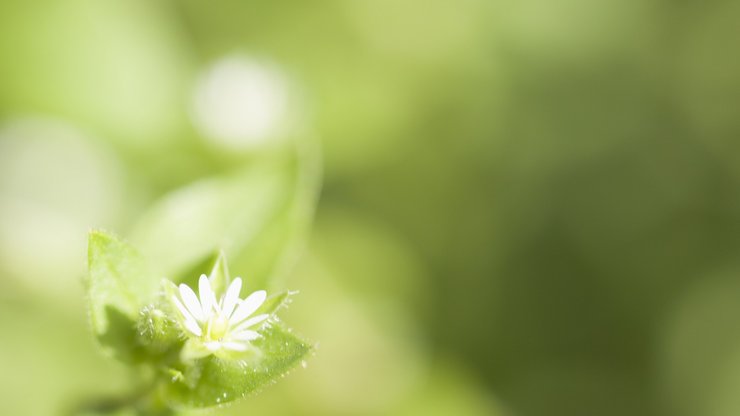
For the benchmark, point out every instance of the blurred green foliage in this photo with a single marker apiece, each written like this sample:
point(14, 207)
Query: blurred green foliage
point(527, 205)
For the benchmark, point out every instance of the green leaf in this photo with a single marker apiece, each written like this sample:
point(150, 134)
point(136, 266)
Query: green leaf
point(118, 285)
point(212, 381)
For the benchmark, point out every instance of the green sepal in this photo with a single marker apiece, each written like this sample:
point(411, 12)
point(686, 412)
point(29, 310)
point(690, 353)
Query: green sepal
point(219, 276)
point(275, 302)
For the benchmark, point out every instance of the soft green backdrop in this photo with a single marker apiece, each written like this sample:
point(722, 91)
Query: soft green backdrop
point(529, 207)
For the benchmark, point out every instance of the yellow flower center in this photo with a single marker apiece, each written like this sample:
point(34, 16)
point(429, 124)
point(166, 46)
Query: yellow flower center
point(218, 326)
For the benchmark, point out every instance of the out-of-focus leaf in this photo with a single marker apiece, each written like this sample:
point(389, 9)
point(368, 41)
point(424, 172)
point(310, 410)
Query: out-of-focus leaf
point(258, 215)
point(192, 222)
point(118, 284)
point(212, 381)
point(270, 254)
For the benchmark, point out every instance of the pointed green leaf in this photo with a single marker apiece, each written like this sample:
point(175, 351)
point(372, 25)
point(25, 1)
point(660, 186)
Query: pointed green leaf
point(118, 284)
point(212, 381)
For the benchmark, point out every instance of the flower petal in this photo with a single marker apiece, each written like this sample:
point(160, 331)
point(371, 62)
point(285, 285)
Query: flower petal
point(231, 297)
point(248, 306)
point(188, 320)
point(183, 310)
point(207, 297)
point(191, 301)
point(193, 327)
point(234, 346)
point(213, 345)
point(245, 335)
point(250, 322)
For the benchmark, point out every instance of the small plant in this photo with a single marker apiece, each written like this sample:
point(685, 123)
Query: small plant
point(194, 339)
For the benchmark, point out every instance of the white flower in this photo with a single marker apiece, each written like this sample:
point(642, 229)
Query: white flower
point(220, 327)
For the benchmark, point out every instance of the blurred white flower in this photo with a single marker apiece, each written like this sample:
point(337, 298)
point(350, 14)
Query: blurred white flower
point(219, 327)
point(240, 102)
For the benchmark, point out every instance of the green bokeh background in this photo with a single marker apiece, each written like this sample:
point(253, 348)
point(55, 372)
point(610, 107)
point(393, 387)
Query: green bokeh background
point(528, 207)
